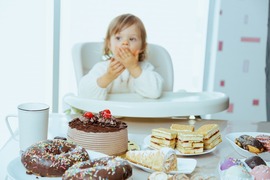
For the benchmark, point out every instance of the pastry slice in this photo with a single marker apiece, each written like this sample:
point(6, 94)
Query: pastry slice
point(164, 160)
point(211, 135)
point(190, 142)
point(165, 133)
point(213, 143)
point(208, 130)
point(162, 137)
point(155, 145)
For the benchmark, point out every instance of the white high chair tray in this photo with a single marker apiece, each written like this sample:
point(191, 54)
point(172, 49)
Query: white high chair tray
point(170, 104)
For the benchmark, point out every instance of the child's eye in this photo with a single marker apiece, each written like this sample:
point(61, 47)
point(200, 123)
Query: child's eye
point(132, 39)
point(118, 38)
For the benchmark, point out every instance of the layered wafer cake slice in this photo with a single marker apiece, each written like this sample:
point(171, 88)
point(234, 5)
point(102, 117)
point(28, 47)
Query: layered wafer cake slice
point(159, 160)
point(211, 135)
point(182, 128)
point(190, 143)
point(162, 137)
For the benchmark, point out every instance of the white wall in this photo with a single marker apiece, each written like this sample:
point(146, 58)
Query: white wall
point(239, 60)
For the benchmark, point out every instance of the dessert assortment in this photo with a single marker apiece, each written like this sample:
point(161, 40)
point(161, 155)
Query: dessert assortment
point(99, 132)
point(257, 144)
point(186, 139)
point(253, 167)
point(69, 159)
point(248, 144)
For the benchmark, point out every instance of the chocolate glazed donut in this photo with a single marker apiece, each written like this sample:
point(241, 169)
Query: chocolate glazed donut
point(101, 168)
point(51, 158)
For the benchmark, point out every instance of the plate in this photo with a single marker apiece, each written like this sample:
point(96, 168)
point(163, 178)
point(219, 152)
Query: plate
point(231, 138)
point(147, 142)
point(184, 165)
point(16, 171)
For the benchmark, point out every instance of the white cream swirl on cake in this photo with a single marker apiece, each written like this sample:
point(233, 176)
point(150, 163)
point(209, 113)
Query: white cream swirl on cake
point(101, 132)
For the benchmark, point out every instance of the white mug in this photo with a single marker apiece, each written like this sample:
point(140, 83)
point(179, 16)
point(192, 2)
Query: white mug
point(33, 123)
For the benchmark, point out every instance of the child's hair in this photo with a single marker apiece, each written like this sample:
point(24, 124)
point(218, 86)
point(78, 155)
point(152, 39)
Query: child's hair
point(120, 23)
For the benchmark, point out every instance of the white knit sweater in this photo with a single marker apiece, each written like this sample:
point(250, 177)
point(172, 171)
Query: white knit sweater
point(149, 84)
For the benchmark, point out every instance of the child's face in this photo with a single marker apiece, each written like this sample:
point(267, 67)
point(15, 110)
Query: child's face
point(127, 38)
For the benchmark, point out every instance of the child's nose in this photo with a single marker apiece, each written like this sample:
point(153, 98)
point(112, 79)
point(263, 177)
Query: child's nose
point(125, 42)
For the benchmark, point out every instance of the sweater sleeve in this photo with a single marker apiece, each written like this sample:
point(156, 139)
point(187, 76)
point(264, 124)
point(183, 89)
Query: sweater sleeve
point(88, 87)
point(149, 84)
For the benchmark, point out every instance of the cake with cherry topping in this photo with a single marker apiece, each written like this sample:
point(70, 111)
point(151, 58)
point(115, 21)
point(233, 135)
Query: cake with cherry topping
point(99, 132)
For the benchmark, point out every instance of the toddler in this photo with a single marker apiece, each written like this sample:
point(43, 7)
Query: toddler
point(125, 70)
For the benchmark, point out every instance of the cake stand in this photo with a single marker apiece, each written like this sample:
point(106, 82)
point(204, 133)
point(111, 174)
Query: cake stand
point(170, 104)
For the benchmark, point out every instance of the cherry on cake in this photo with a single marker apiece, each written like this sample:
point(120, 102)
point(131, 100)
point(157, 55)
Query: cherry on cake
point(99, 132)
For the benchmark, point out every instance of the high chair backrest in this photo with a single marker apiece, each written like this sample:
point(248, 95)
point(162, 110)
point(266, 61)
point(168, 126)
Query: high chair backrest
point(86, 55)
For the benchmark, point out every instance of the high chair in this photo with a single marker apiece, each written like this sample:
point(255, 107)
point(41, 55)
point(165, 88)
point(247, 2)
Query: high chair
point(170, 104)
point(86, 55)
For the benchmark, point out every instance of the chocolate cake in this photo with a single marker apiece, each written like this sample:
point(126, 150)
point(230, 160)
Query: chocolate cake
point(101, 132)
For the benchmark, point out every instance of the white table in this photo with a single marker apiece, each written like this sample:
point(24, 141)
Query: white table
point(139, 128)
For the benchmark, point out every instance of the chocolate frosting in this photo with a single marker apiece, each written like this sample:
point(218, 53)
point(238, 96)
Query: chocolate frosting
point(101, 168)
point(254, 161)
point(245, 140)
point(51, 158)
point(97, 123)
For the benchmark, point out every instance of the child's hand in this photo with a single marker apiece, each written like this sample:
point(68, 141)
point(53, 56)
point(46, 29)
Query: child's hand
point(115, 68)
point(129, 60)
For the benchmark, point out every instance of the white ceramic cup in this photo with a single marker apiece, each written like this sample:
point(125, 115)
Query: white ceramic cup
point(33, 123)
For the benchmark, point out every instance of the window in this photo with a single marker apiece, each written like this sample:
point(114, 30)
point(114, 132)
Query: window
point(26, 44)
point(26, 61)
point(180, 27)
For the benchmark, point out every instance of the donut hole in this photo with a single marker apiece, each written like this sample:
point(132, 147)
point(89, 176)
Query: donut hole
point(57, 150)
